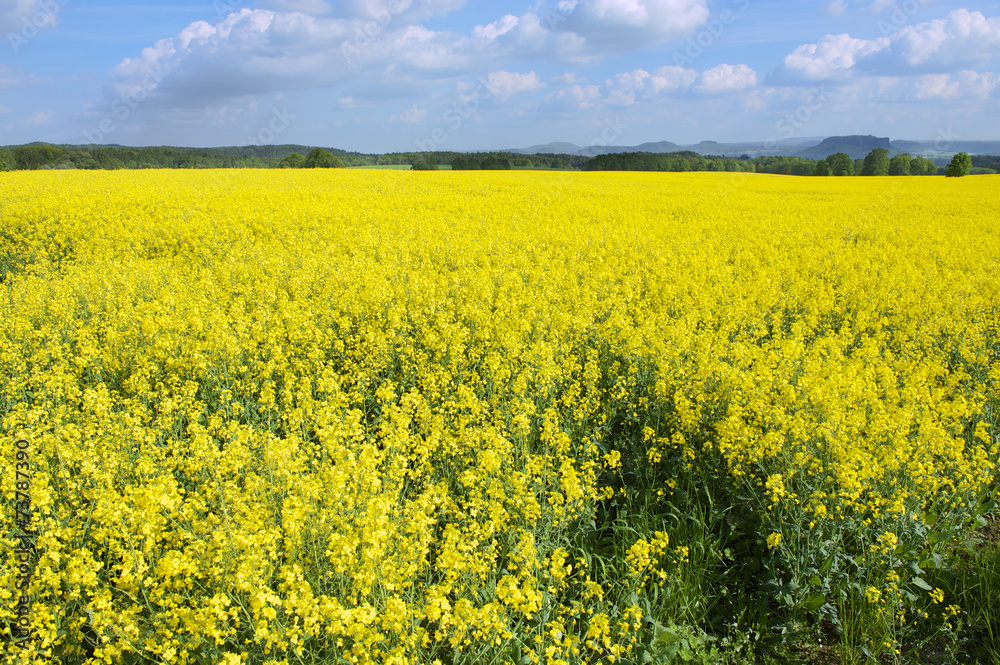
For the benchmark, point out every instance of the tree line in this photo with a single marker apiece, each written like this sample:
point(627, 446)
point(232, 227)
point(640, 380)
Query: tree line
point(877, 162)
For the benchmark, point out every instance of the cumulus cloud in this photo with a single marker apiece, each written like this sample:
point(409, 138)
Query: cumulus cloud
point(726, 78)
point(639, 85)
point(260, 51)
point(495, 29)
point(832, 56)
point(961, 39)
point(965, 84)
point(504, 85)
point(575, 97)
point(583, 31)
point(625, 24)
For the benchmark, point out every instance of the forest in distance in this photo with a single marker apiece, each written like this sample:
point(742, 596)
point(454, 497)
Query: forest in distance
point(42, 156)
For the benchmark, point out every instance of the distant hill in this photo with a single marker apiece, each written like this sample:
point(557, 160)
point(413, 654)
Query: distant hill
point(657, 147)
point(855, 146)
point(558, 148)
point(749, 148)
point(562, 148)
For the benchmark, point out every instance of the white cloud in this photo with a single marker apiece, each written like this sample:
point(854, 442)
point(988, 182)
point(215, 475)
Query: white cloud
point(575, 97)
point(626, 24)
point(261, 51)
point(962, 38)
point(829, 57)
point(415, 115)
point(639, 85)
point(4, 109)
point(503, 84)
point(966, 84)
point(726, 78)
point(493, 30)
point(15, 15)
point(629, 88)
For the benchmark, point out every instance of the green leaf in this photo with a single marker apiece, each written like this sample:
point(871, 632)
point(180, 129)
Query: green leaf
point(814, 602)
point(920, 582)
point(667, 638)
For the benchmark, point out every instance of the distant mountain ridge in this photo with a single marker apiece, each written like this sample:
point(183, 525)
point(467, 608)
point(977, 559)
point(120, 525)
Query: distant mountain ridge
point(857, 146)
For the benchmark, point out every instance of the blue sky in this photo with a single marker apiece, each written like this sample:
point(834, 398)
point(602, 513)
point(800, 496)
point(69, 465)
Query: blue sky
point(398, 75)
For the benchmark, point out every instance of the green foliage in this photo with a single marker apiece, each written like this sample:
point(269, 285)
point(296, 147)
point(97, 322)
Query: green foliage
point(900, 165)
point(430, 164)
point(784, 165)
point(293, 161)
point(33, 157)
point(876, 162)
point(495, 163)
point(671, 161)
point(922, 166)
point(683, 644)
point(3, 161)
point(319, 158)
point(838, 164)
point(959, 166)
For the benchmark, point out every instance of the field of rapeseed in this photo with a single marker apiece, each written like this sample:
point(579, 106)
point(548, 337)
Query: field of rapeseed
point(386, 417)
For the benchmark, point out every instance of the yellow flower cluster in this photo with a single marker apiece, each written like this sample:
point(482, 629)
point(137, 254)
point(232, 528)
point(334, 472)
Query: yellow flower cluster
point(361, 414)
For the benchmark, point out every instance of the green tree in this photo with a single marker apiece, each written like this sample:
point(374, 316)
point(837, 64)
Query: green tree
point(430, 165)
point(3, 161)
point(959, 165)
point(323, 159)
point(922, 166)
point(294, 161)
point(35, 156)
point(822, 167)
point(841, 164)
point(900, 165)
point(876, 162)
